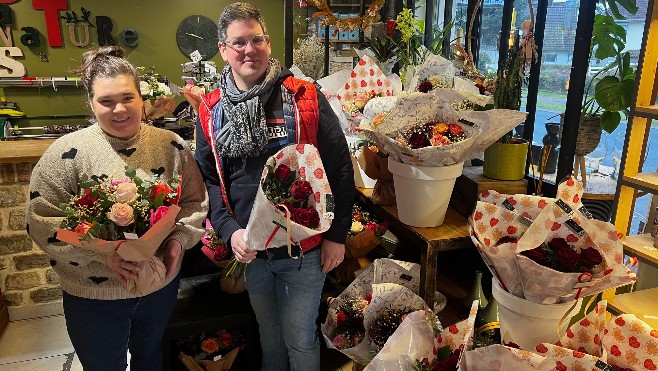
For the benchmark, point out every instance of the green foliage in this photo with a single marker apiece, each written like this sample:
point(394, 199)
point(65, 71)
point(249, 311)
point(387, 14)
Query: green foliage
point(608, 38)
point(510, 80)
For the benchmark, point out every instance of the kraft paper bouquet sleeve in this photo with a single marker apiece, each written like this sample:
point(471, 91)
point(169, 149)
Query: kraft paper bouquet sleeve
point(478, 129)
point(285, 214)
point(510, 231)
point(138, 250)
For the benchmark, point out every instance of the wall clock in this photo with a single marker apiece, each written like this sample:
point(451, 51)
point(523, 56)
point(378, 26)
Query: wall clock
point(197, 32)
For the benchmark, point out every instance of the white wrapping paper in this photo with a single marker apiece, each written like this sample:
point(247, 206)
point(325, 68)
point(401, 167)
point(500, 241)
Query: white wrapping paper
point(267, 225)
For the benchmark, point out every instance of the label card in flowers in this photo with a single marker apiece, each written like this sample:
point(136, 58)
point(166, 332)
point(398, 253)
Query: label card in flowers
point(294, 200)
point(107, 214)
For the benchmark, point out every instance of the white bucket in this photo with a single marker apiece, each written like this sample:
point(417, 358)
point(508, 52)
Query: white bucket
point(360, 178)
point(422, 193)
point(529, 324)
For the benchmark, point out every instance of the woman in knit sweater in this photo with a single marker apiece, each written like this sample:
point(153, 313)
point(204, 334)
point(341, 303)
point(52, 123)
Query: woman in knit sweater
point(103, 320)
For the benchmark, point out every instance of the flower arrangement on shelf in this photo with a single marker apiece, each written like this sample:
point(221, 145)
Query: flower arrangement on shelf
point(432, 83)
point(307, 56)
point(363, 221)
point(156, 94)
point(131, 217)
point(350, 329)
point(436, 134)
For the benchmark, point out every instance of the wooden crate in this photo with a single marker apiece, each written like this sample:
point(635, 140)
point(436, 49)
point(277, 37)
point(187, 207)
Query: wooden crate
point(471, 183)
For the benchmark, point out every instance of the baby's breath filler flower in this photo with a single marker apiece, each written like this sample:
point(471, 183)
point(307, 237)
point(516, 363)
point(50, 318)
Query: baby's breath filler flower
point(308, 57)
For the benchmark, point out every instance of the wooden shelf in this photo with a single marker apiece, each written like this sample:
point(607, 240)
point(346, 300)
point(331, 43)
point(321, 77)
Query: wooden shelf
point(23, 150)
point(644, 181)
point(650, 112)
point(641, 246)
point(641, 303)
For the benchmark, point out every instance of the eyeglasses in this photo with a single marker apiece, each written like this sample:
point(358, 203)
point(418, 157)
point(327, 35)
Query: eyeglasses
point(240, 44)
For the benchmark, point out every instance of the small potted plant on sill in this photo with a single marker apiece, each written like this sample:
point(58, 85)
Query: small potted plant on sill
point(506, 159)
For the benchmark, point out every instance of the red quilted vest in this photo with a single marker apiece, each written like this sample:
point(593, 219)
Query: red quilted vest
point(306, 113)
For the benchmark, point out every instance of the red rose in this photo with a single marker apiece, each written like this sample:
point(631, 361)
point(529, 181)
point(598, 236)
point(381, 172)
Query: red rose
point(425, 86)
point(300, 190)
point(288, 205)
point(506, 239)
point(372, 226)
point(537, 254)
point(209, 346)
point(341, 318)
point(220, 252)
point(314, 221)
point(417, 140)
point(160, 189)
point(282, 172)
point(590, 258)
point(558, 243)
point(87, 199)
point(302, 216)
point(390, 27)
point(226, 338)
point(481, 88)
point(567, 259)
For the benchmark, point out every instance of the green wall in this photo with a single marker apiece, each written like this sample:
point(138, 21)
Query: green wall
point(155, 21)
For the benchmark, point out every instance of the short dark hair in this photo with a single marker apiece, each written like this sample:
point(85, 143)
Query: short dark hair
point(105, 62)
point(236, 12)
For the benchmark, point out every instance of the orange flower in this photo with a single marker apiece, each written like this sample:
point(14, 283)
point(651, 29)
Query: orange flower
point(378, 119)
point(160, 189)
point(440, 128)
point(83, 227)
point(209, 346)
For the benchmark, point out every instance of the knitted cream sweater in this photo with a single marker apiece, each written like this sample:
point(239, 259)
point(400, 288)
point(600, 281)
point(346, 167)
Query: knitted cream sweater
point(90, 151)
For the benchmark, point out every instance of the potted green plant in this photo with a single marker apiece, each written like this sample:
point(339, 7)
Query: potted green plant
point(506, 159)
point(613, 84)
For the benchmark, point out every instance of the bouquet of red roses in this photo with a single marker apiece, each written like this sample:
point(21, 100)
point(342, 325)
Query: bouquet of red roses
point(293, 202)
point(131, 216)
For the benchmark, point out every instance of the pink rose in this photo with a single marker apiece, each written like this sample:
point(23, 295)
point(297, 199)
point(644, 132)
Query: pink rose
point(83, 227)
point(158, 214)
point(126, 192)
point(121, 214)
point(339, 341)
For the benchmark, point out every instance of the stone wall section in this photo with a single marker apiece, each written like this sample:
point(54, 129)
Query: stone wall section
point(26, 278)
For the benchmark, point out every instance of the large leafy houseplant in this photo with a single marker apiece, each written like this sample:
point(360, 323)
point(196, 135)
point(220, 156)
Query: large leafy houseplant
point(613, 84)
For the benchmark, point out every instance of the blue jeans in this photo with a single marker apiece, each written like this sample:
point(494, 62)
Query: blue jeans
point(286, 299)
point(102, 331)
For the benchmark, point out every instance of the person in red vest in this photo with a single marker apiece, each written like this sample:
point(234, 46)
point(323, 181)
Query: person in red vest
point(259, 108)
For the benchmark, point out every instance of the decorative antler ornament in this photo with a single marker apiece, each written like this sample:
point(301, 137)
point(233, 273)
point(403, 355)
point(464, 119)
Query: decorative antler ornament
point(370, 16)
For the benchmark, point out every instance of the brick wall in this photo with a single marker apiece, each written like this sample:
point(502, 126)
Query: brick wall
point(25, 273)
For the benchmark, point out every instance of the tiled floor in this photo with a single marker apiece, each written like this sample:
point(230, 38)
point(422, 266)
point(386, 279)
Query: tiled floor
point(42, 344)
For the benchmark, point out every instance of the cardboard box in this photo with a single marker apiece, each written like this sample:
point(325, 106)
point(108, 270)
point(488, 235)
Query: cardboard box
point(471, 183)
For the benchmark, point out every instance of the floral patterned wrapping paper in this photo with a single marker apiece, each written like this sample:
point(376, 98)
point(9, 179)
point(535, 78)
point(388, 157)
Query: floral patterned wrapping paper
point(267, 225)
point(482, 128)
point(589, 344)
point(496, 216)
point(433, 65)
point(365, 77)
point(385, 296)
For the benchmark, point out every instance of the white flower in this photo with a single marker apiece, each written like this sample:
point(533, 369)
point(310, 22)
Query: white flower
point(126, 192)
point(144, 88)
point(356, 228)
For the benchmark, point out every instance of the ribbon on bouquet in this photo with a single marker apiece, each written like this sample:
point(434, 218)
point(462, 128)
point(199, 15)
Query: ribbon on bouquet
point(286, 214)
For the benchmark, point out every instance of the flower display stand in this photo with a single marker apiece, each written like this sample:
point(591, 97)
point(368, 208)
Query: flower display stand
point(472, 182)
point(201, 307)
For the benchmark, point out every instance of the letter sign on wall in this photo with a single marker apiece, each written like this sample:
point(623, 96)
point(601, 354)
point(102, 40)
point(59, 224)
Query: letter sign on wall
point(50, 10)
point(31, 37)
point(10, 67)
point(129, 37)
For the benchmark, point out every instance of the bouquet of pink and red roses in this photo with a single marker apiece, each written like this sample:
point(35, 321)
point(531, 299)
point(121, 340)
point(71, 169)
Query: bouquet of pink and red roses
point(131, 216)
point(294, 200)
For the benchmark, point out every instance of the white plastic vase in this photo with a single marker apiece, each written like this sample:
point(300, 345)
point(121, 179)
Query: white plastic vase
point(422, 193)
point(529, 324)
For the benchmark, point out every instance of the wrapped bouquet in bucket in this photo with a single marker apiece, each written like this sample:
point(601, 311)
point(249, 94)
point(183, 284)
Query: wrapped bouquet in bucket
point(366, 81)
point(368, 311)
point(294, 200)
point(420, 344)
point(593, 343)
point(131, 216)
point(545, 255)
point(427, 141)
